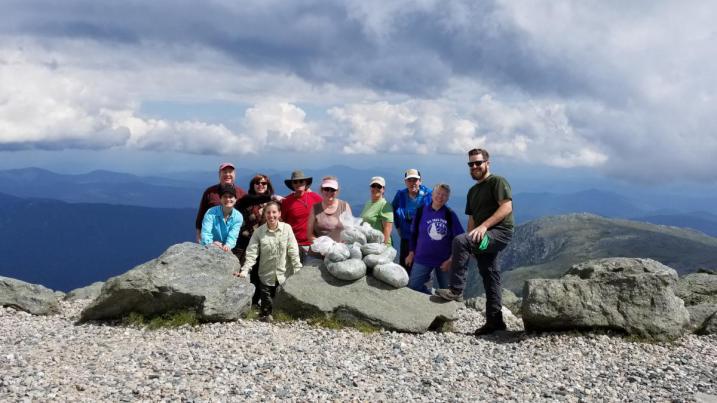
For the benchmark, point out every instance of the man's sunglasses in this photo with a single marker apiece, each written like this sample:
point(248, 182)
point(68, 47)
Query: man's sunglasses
point(328, 189)
point(475, 163)
point(376, 186)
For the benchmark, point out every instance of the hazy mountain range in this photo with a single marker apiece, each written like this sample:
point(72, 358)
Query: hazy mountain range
point(67, 231)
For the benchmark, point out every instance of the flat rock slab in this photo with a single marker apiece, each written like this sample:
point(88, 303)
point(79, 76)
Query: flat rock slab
point(185, 276)
point(629, 294)
point(31, 298)
point(313, 291)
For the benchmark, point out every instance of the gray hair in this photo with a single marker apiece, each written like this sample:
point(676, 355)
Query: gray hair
point(443, 186)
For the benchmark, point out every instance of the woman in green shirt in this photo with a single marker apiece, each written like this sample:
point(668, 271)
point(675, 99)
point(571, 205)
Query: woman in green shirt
point(377, 211)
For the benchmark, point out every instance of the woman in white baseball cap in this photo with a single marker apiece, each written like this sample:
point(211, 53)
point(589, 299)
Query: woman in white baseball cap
point(378, 212)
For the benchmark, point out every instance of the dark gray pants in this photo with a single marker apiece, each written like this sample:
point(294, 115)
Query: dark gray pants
point(463, 248)
point(266, 294)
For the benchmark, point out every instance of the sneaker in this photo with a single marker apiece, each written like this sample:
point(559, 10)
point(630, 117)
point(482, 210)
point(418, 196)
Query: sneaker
point(449, 295)
point(489, 328)
point(267, 318)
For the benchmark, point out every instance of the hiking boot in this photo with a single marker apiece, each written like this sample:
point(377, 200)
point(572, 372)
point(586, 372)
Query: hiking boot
point(489, 328)
point(450, 295)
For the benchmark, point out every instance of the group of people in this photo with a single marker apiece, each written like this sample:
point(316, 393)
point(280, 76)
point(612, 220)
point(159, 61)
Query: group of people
point(271, 235)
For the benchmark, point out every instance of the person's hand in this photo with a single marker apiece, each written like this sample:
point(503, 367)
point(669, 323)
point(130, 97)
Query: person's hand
point(277, 198)
point(225, 248)
point(241, 274)
point(409, 259)
point(477, 233)
point(446, 266)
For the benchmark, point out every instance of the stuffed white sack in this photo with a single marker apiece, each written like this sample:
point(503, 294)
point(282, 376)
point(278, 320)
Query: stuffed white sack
point(392, 274)
point(349, 270)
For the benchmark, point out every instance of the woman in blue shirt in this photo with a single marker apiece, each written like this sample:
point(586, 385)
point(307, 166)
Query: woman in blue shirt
point(222, 223)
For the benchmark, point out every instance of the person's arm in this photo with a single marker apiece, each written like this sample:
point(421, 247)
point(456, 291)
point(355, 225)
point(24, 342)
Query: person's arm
point(234, 231)
point(206, 236)
point(471, 223)
point(387, 228)
point(505, 208)
point(252, 252)
point(292, 251)
point(310, 226)
point(199, 220)
point(412, 242)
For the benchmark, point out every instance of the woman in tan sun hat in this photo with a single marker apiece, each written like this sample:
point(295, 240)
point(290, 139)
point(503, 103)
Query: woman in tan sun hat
point(296, 208)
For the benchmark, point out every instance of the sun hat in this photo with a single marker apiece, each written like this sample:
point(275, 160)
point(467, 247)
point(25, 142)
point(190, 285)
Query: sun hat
point(298, 175)
point(379, 180)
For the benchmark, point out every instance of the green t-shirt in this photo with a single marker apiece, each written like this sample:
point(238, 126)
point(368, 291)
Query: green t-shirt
point(483, 200)
point(377, 213)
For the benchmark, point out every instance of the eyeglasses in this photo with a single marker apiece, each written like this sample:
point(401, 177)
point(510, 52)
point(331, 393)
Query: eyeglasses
point(376, 186)
point(328, 189)
point(475, 163)
point(262, 183)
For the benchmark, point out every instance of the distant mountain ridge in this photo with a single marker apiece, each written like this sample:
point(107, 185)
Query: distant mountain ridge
point(65, 245)
point(547, 247)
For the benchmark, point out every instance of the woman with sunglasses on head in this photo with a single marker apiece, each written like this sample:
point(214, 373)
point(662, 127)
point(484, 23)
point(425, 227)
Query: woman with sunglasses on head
point(377, 212)
point(324, 217)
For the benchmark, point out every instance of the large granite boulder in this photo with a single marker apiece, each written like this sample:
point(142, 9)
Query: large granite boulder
point(699, 291)
point(91, 291)
point(630, 294)
point(314, 292)
point(185, 276)
point(32, 298)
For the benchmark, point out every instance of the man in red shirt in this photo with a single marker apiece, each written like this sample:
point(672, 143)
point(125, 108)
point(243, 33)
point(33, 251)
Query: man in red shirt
point(211, 198)
point(296, 207)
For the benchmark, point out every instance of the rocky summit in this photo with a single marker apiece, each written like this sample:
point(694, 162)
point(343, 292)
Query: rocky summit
point(630, 294)
point(314, 291)
point(185, 276)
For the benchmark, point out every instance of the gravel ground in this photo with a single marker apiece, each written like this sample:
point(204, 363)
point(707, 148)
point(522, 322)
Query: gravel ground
point(49, 358)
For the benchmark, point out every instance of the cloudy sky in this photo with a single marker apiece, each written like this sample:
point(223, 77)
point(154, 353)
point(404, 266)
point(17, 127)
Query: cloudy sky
point(624, 89)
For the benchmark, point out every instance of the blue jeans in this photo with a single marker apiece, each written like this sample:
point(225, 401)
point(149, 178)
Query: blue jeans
point(420, 274)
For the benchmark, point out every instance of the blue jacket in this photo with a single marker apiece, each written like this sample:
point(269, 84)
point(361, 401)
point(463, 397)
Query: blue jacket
point(215, 229)
point(402, 217)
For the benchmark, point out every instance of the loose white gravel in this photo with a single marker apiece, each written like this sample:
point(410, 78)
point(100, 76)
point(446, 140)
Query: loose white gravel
point(50, 358)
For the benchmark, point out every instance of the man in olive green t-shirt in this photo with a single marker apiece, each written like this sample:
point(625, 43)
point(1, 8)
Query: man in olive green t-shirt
point(489, 208)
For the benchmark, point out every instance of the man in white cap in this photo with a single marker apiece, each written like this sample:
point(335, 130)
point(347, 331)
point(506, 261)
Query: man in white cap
point(211, 197)
point(404, 205)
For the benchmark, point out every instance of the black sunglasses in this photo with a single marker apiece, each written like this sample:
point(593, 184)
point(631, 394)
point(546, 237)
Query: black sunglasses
point(262, 183)
point(328, 189)
point(476, 163)
point(376, 186)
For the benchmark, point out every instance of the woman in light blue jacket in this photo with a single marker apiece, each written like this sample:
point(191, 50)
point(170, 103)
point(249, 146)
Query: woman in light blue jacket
point(222, 223)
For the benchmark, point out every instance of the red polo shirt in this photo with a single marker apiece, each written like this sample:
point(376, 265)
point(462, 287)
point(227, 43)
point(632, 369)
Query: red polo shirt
point(295, 211)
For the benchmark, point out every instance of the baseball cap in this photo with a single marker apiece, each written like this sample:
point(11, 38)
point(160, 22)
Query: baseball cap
point(412, 173)
point(379, 180)
point(226, 165)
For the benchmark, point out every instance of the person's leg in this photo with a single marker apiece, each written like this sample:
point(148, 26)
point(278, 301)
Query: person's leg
point(462, 250)
point(418, 278)
point(490, 273)
point(303, 252)
point(254, 278)
point(443, 278)
point(266, 303)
